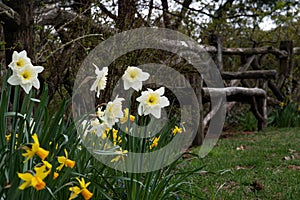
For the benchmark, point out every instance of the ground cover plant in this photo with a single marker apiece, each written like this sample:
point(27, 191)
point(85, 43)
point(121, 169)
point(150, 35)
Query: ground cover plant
point(261, 165)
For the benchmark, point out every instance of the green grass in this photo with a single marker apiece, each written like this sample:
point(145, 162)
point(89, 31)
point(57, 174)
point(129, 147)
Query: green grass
point(257, 172)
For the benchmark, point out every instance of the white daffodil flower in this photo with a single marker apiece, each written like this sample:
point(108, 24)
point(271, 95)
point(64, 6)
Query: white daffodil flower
point(19, 60)
point(100, 82)
point(26, 77)
point(133, 78)
point(113, 112)
point(151, 102)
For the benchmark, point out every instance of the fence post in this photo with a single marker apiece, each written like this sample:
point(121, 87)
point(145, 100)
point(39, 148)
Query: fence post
point(286, 66)
point(198, 83)
point(216, 40)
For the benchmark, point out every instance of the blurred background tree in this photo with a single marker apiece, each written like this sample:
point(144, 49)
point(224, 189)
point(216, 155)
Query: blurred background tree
point(59, 34)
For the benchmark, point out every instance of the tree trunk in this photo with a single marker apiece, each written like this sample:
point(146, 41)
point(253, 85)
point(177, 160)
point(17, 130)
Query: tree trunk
point(20, 37)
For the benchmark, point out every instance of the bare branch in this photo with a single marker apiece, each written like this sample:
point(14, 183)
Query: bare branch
point(9, 16)
point(107, 12)
point(69, 43)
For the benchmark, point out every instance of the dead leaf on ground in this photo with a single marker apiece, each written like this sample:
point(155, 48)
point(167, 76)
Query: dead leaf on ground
point(243, 167)
point(240, 148)
point(294, 167)
point(294, 155)
point(288, 157)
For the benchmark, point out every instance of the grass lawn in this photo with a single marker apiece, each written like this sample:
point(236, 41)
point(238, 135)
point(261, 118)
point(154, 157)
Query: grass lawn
point(263, 165)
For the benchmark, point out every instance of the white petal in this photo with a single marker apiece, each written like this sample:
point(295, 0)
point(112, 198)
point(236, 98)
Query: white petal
point(38, 69)
point(98, 93)
point(105, 70)
point(144, 76)
point(156, 112)
point(15, 56)
point(97, 71)
point(23, 54)
point(140, 109)
point(26, 87)
point(127, 85)
point(93, 88)
point(137, 86)
point(164, 102)
point(160, 91)
point(139, 99)
point(14, 80)
point(36, 83)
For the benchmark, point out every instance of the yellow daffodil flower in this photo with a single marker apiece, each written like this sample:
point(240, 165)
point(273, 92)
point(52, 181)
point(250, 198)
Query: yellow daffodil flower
point(154, 142)
point(177, 130)
point(35, 180)
point(116, 138)
point(55, 175)
point(82, 189)
point(7, 137)
point(34, 148)
point(124, 119)
point(121, 154)
point(282, 104)
point(132, 118)
point(64, 161)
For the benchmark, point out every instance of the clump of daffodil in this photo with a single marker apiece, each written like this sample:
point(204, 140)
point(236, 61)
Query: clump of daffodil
point(120, 154)
point(65, 161)
point(176, 130)
point(24, 73)
point(82, 189)
point(154, 142)
point(34, 148)
point(35, 179)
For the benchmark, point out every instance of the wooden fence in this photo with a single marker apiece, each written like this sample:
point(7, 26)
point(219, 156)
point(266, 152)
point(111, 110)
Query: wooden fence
point(270, 85)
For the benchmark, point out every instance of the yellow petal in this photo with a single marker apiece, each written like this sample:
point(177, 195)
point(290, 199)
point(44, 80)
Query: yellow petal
point(117, 158)
point(41, 172)
point(25, 176)
point(60, 167)
point(35, 139)
point(66, 153)
point(24, 185)
point(74, 192)
point(61, 159)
